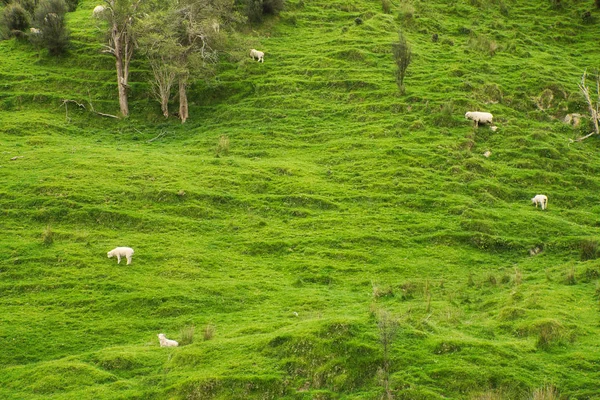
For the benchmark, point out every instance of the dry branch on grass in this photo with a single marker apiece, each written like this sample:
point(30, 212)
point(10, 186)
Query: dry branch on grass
point(65, 102)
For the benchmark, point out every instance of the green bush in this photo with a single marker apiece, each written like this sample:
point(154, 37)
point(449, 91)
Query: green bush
point(15, 21)
point(255, 10)
point(28, 5)
point(50, 19)
point(72, 5)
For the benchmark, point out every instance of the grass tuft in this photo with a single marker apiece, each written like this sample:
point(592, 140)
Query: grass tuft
point(547, 392)
point(47, 236)
point(209, 332)
point(187, 335)
point(589, 249)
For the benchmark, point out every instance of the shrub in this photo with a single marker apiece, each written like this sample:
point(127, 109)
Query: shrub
point(597, 2)
point(72, 5)
point(28, 5)
point(256, 9)
point(358, 21)
point(50, 19)
point(402, 56)
point(15, 20)
point(273, 7)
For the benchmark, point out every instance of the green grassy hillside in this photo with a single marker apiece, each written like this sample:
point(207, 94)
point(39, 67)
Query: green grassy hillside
point(346, 239)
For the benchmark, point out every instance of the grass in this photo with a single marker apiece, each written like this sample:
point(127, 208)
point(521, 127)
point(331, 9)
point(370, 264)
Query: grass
point(305, 198)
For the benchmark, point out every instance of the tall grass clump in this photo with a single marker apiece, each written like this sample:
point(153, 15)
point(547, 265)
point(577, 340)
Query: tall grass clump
point(589, 250)
point(548, 332)
point(222, 148)
point(47, 236)
point(187, 335)
point(209, 332)
point(548, 392)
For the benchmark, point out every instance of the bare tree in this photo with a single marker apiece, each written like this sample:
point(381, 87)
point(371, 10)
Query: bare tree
point(402, 56)
point(593, 105)
point(157, 41)
point(121, 16)
point(198, 40)
point(181, 41)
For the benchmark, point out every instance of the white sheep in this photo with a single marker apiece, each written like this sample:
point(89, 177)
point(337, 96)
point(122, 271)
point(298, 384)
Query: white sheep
point(479, 117)
point(35, 31)
point(164, 342)
point(215, 26)
point(259, 55)
point(98, 10)
point(126, 252)
point(573, 119)
point(541, 200)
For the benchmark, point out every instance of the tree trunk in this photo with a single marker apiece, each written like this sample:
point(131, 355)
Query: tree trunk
point(183, 102)
point(122, 71)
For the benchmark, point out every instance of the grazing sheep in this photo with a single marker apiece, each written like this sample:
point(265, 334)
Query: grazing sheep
point(541, 200)
point(126, 252)
point(259, 55)
point(573, 119)
point(35, 31)
point(479, 117)
point(164, 342)
point(487, 154)
point(98, 10)
point(215, 26)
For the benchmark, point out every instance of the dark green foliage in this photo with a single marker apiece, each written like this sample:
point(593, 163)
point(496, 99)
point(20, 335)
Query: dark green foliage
point(15, 20)
point(273, 7)
point(255, 10)
point(72, 5)
point(587, 17)
point(402, 56)
point(28, 5)
point(597, 3)
point(589, 249)
point(358, 21)
point(49, 18)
